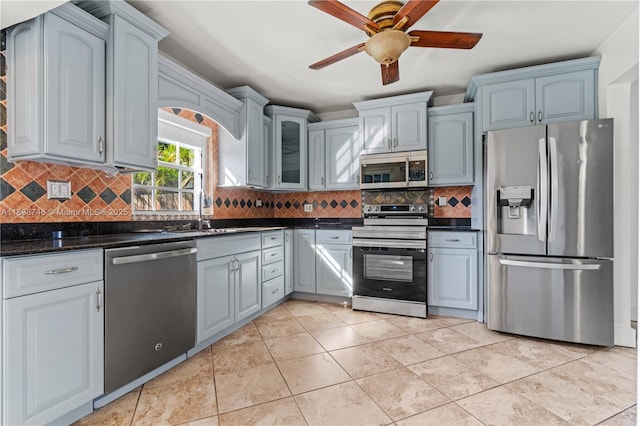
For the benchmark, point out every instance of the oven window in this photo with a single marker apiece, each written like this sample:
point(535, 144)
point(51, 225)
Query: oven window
point(388, 267)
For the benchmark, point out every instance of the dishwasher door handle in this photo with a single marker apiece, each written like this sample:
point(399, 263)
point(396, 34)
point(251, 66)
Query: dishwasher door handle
point(153, 256)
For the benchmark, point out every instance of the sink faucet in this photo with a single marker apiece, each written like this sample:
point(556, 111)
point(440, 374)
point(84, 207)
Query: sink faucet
point(202, 223)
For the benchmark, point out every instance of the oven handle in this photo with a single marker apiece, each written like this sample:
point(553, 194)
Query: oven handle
point(152, 256)
point(401, 244)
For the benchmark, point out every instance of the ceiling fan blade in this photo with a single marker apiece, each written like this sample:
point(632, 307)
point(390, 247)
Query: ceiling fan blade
point(413, 10)
point(345, 13)
point(390, 73)
point(338, 57)
point(445, 39)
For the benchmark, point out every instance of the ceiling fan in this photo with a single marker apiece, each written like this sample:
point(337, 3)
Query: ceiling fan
point(386, 25)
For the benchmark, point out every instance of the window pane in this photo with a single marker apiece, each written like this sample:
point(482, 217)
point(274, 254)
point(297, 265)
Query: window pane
point(142, 199)
point(166, 152)
point(142, 178)
point(187, 180)
point(166, 176)
point(186, 156)
point(187, 201)
point(166, 200)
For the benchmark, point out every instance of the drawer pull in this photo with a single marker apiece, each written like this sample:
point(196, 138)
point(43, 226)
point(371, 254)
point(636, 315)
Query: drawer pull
point(99, 299)
point(454, 240)
point(335, 238)
point(273, 254)
point(61, 271)
point(275, 291)
point(273, 271)
point(273, 238)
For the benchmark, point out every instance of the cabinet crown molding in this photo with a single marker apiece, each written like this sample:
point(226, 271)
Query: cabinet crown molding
point(271, 110)
point(82, 19)
point(247, 92)
point(394, 100)
point(104, 8)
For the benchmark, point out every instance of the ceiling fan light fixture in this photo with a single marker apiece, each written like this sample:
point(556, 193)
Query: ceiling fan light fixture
point(387, 46)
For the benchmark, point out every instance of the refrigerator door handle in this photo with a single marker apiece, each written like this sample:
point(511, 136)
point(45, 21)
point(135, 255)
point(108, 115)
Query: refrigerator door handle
point(547, 265)
point(543, 186)
point(553, 221)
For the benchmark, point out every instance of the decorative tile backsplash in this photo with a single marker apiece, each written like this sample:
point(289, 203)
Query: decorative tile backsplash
point(99, 198)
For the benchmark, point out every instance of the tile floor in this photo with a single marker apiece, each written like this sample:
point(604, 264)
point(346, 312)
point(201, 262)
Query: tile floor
point(315, 363)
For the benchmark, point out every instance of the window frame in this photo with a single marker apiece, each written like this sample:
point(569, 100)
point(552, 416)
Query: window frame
point(181, 132)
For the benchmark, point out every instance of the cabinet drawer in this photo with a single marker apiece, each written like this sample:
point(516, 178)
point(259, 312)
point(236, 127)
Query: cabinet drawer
point(273, 270)
point(271, 255)
point(209, 248)
point(272, 291)
point(35, 273)
point(272, 239)
point(452, 239)
point(333, 236)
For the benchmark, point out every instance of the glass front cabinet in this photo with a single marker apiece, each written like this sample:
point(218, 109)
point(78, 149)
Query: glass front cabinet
point(289, 130)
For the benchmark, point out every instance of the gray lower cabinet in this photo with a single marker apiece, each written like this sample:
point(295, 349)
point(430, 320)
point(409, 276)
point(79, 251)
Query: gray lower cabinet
point(450, 153)
point(53, 336)
point(452, 270)
point(304, 269)
point(56, 88)
point(273, 269)
point(323, 262)
point(228, 282)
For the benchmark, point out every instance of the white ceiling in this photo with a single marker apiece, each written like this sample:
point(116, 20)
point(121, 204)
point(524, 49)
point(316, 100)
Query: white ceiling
point(270, 44)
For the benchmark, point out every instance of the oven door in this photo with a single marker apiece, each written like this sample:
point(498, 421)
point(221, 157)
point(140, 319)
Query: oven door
point(390, 269)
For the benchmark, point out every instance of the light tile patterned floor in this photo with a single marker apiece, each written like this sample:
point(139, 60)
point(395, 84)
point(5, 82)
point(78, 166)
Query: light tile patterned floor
point(316, 363)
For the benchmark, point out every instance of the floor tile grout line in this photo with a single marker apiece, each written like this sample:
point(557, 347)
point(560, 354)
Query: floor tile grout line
point(616, 414)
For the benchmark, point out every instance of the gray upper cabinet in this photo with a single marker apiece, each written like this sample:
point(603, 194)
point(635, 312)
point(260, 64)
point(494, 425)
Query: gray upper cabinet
point(289, 131)
point(542, 94)
point(450, 153)
point(242, 162)
point(132, 84)
point(333, 154)
point(56, 88)
point(397, 123)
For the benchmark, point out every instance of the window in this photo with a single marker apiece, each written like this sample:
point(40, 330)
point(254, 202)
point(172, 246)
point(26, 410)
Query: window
point(176, 184)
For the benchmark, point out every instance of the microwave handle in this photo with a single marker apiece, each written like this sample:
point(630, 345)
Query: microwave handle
point(406, 171)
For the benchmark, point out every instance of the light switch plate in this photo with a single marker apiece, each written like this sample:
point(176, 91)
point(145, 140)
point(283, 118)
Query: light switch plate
point(308, 208)
point(58, 190)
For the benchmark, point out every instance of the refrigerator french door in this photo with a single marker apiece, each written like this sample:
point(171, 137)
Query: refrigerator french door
point(549, 242)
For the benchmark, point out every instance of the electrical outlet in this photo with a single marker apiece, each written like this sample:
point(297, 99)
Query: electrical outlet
point(58, 190)
point(308, 208)
point(258, 203)
point(442, 201)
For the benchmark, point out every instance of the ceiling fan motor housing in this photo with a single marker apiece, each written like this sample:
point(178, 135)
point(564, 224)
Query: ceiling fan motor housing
point(383, 13)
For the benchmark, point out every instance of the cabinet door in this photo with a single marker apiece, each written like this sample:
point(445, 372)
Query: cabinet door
point(565, 97)
point(268, 151)
point(509, 104)
point(74, 92)
point(409, 127)
point(341, 158)
point(334, 270)
point(453, 281)
point(316, 159)
point(451, 149)
point(215, 297)
point(304, 269)
point(291, 152)
point(53, 358)
point(288, 261)
point(248, 284)
point(375, 130)
point(254, 134)
point(133, 114)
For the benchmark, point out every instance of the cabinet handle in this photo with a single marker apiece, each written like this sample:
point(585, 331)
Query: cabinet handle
point(540, 116)
point(275, 291)
point(395, 142)
point(279, 180)
point(335, 238)
point(101, 144)
point(321, 180)
point(389, 143)
point(454, 240)
point(273, 254)
point(273, 238)
point(531, 117)
point(61, 271)
point(431, 256)
point(237, 265)
point(430, 175)
point(286, 237)
point(350, 252)
point(99, 299)
point(357, 177)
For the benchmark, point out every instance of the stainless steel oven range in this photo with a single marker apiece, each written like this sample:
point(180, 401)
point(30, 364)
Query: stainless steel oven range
point(390, 260)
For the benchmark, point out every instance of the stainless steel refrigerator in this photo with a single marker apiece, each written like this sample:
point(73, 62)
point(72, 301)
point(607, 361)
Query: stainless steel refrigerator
point(549, 231)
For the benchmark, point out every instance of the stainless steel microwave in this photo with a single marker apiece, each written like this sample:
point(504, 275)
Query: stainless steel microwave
point(393, 170)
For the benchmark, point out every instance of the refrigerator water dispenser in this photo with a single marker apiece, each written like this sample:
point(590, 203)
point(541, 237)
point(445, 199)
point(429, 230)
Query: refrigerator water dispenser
point(516, 209)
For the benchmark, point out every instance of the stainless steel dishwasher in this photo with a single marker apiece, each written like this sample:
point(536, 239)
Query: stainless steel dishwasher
point(150, 308)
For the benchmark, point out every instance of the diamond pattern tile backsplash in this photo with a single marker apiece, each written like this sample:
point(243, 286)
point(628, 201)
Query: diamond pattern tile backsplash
point(97, 197)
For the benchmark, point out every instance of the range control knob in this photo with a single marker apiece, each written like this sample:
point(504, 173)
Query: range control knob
point(420, 208)
point(412, 208)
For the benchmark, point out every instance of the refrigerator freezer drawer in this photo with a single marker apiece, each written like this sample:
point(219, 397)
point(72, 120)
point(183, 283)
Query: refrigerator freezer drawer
point(553, 298)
